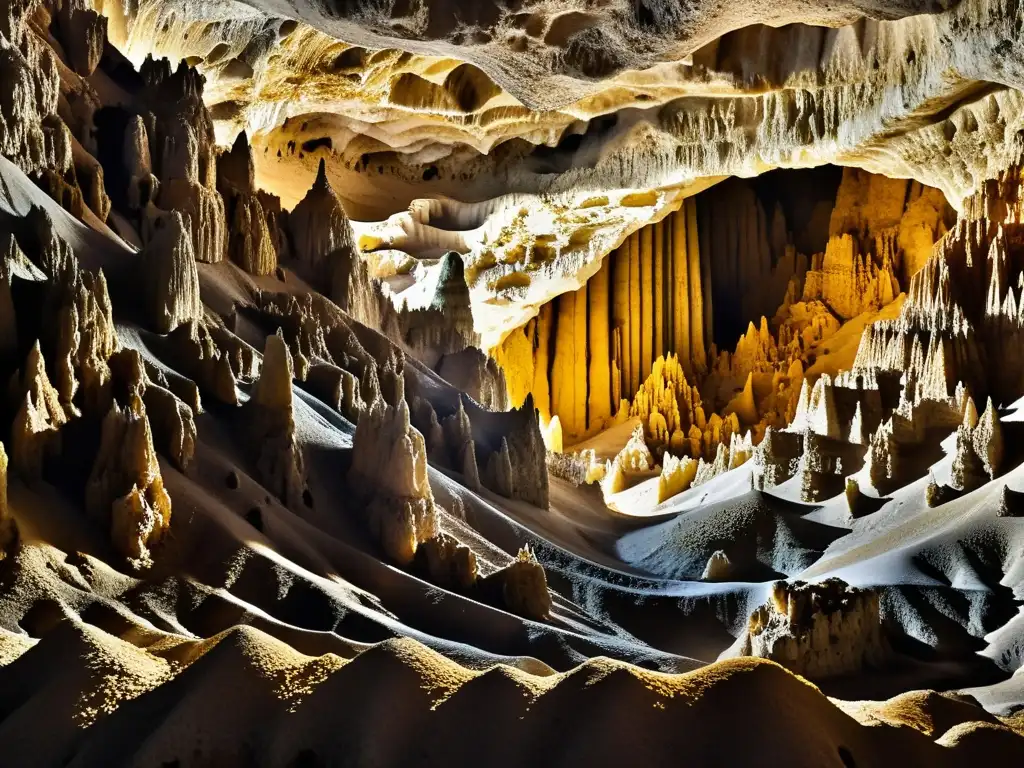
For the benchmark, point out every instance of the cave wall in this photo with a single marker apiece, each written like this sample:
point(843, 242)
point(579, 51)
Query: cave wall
point(589, 349)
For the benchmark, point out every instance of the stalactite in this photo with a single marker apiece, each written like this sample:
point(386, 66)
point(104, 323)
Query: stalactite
point(659, 289)
point(647, 321)
point(599, 403)
point(620, 317)
point(569, 368)
point(682, 299)
point(541, 389)
point(635, 366)
point(699, 304)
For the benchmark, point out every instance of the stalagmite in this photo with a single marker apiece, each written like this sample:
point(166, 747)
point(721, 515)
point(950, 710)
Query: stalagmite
point(987, 440)
point(8, 525)
point(270, 420)
point(817, 630)
point(389, 472)
point(319, 227)
point(523, 586)
point(171, 295)
point(718, 567)
point(250, 243)
point(569, 367)
point(677, 475)
point(35, 433)
point(125, 490)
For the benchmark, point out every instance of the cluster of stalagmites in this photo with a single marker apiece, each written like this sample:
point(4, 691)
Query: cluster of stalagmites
point(31, 133)
point(920, 371)
point(91, 376)
point(389, 468)
point(337, 360)
point(818, 630)
point(676, 474)
point(125, 490)
point(178, 203)
point(389, 473)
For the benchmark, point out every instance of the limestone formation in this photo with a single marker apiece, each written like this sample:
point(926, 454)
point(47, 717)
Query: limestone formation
point(818, 630)
point(8, 525)
point(578, 467)
point(211, 356)
point(936, 495)
point(718, 567)
point(592, 367)
point(31, 134)
point(35, 433)
point(83, 32)
point(677, 475)
point(389, 473)
point(172, 419)
point(171, 295)
point(448, 563)
point(250, 242)
point(125, 490)
point(439, 326)
point(1011, 503)
point(269, 418)
point(476, 374)
point(183, 146)
point(320, 234)
point(523, 586)
point(631, 465)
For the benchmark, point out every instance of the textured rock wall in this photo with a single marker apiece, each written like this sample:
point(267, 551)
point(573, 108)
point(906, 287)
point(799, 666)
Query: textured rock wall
point(593, 347)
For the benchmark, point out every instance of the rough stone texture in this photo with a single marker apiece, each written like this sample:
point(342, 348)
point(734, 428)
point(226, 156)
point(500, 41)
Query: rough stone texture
point(250, 242)
point(524, 586)
point(172, 280)
point(269, 417)
point(818, 630)
point(389, 470)
point(35, 433)
point(8, 525)
point(125, 490)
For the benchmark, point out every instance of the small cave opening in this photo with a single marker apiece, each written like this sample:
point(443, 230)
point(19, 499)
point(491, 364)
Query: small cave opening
point(312, 145)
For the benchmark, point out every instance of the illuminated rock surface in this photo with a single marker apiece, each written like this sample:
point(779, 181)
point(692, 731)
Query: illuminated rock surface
point(433, 379)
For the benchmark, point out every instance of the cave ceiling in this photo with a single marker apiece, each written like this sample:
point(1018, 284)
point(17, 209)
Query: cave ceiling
point(538, 136)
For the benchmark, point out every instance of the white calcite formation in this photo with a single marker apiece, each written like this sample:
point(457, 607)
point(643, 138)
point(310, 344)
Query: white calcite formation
point(817, 630)
point(631, 465)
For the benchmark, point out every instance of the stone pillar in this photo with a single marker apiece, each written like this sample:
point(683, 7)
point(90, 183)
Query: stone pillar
point(599, 402)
